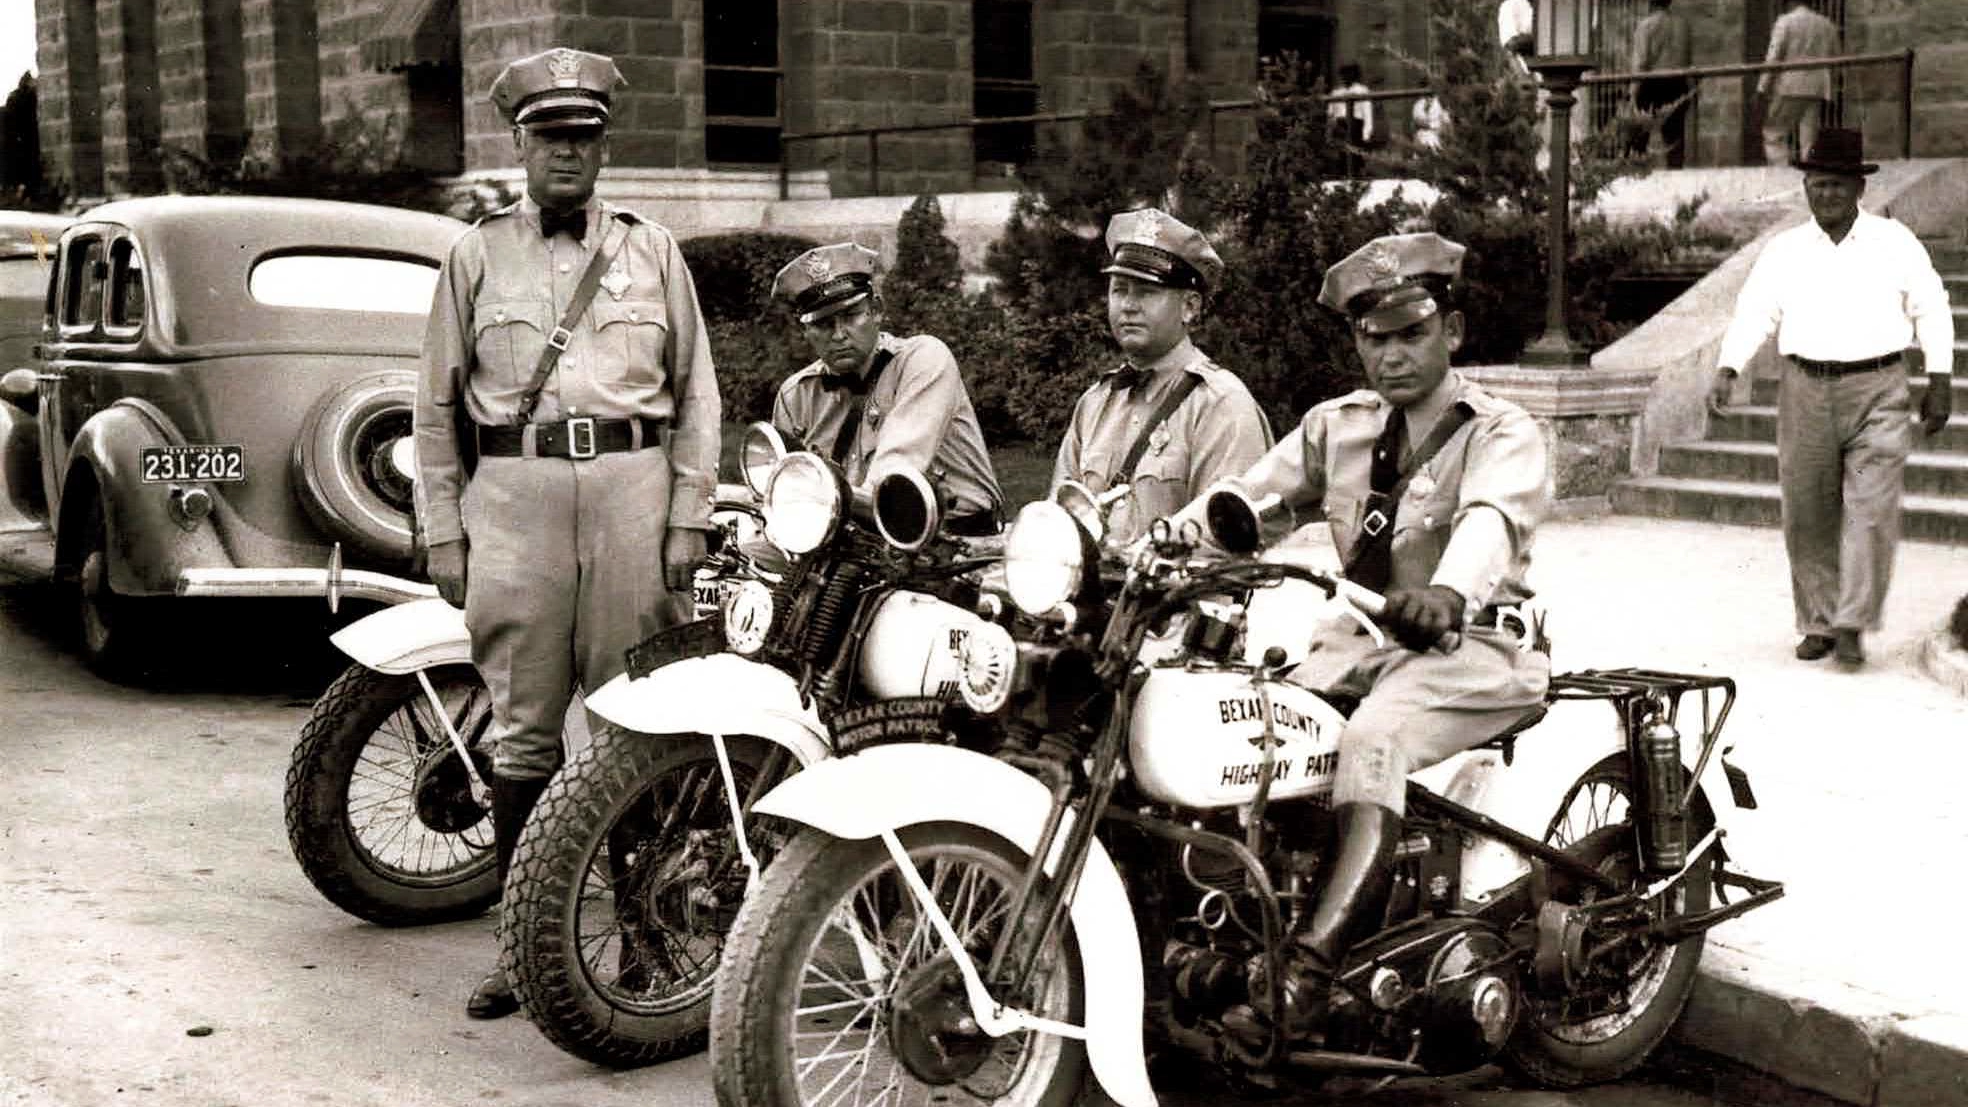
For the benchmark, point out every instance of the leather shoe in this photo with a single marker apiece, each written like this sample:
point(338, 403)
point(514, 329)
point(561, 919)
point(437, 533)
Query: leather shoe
point(1813, 647)
point(493, 998)
point(1848, 650)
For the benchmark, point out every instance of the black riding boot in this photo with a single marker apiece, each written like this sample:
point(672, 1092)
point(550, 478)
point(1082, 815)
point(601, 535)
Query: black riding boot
point(512, 803)
point(1353, 888)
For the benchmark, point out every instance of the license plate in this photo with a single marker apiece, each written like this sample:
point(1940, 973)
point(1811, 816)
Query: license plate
point(698, 638)
point(166, 464)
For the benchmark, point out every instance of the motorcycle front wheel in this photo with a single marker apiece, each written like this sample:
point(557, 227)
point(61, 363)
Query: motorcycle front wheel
point(836, 989)
point(624, 884)
point(1623, 1007)
point(380, 812)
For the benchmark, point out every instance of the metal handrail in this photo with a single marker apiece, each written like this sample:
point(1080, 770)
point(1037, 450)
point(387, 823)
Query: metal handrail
point(1698, 72)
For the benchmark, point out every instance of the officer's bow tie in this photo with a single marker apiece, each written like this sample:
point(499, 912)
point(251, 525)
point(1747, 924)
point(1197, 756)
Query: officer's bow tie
point(844, 382)
point(573, 222)
point(1121, 380)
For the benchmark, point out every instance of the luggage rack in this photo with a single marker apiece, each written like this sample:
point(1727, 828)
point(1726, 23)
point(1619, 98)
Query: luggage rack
point(1635, 693)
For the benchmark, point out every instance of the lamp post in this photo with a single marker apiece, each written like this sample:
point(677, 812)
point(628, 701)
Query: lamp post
point(1563, 36)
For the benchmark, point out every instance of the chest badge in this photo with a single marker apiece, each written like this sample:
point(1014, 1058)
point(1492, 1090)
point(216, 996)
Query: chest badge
point(1422, 486)
point(616, 280)
point(874, 416)
point(1158, 439)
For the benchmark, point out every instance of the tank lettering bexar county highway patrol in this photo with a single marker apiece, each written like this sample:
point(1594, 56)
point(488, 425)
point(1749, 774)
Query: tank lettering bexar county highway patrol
point(1249, 709)
point(1321, 764)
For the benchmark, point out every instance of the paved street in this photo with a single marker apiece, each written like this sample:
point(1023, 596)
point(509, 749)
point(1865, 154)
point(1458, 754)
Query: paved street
point(150, 892)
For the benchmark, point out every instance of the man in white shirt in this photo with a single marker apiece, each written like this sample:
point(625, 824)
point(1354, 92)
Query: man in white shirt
point(1846, 295)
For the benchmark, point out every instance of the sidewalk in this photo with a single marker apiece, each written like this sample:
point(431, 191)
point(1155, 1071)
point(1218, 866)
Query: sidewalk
point(1854, 984)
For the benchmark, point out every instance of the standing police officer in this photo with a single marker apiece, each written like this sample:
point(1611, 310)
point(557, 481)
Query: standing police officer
point(1168, 421)
point(872, 399)
point(566, 333)
point(1433, 490)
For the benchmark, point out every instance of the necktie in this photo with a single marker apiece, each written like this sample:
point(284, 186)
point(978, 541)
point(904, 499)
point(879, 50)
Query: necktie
point(844, 382)
point(1373, 565)
point(573, 222)
point(1122, 380)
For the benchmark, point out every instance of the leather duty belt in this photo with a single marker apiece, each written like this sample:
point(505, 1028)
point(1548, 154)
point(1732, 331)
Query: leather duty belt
point(1818, 368)
point(577, 439)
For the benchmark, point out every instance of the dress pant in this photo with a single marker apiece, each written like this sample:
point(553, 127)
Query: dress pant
point(1842, 445)
point(564, 573)
point(1786, 112)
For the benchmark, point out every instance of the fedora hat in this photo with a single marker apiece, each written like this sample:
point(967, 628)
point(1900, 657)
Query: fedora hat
point(1838, 150)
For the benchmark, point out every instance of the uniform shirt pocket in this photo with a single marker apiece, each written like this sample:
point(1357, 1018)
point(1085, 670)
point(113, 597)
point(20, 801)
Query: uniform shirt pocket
point(507, 338)
point(1161, 483)
point(629, 338)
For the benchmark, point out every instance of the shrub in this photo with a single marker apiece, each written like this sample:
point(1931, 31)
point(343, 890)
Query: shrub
point(756, 343)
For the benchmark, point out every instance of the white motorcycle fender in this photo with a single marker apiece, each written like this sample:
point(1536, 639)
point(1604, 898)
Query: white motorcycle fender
point(1524, 795)
point(891, 787)
point(417, 634)
point(721, 693)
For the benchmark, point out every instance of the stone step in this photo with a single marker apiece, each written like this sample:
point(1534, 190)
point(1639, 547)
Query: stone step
point(1933, 474)
point(1758, 423)
point(1924, 518)
point(1763, 389)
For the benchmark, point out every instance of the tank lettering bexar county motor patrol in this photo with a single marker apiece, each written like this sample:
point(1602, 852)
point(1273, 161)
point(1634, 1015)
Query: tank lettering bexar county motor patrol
point(1248, 709)
point(1251, 772)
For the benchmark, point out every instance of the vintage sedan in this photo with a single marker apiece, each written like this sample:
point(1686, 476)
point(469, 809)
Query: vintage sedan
point(220, 406)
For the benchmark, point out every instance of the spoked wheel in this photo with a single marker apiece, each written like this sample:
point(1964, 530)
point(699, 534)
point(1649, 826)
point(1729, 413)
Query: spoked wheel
point(1603, 995)
point(380, 810)
point(837, 990)
point(625, 883)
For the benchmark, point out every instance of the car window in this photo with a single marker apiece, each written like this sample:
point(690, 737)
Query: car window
point(345, 282)
point(126, 286)
point(82, 296)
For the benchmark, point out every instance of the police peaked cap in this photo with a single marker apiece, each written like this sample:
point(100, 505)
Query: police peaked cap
point(1154, 246)
point(1384, 286)
point(557, 88)
point(827, 280)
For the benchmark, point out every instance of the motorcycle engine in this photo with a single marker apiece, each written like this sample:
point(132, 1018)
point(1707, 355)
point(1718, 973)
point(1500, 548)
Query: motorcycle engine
point(1454, 980)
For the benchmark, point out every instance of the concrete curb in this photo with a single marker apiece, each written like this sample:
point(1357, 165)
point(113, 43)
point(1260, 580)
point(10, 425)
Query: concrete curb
point(1941, 661)
point(1824, 1035)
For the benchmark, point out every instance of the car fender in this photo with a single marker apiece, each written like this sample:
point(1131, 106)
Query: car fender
point(722, 693)
point(1547, 759)
point(891, 787)
point(22, 504)
point(406, 637)
point(148, 547)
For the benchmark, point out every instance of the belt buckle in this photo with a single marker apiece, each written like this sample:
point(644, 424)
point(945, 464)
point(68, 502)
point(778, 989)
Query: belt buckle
point(559, 338)
point(1374, 523)
point(581, 438)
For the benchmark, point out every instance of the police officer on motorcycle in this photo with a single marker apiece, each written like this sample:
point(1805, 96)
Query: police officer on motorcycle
point(1433, 490)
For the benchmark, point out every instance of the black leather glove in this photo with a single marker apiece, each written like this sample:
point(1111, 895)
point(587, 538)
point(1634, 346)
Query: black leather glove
point(1936, 405)
point(1421, 617)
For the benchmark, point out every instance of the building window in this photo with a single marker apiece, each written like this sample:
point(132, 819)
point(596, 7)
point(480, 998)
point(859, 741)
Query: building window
point(1001, 66)
point(742, 81)
point(1295, 41)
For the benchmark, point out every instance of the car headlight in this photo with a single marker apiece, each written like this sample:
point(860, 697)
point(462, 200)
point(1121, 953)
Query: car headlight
point(989, 661)
point(762, 447)
point(747, 617)
point(1044, 557)
point(805, 500)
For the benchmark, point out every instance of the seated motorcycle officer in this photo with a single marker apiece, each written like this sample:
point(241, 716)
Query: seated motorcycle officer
point(1168, 422)
point(1433, 490)
point(872, 399)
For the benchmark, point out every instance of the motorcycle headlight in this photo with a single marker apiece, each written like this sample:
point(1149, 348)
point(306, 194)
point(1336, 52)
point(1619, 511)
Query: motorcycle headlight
point(805, 500)
point(906, 511)
point(1044, 557)
point(747, 617)
point(989, 662)
point(762, 447)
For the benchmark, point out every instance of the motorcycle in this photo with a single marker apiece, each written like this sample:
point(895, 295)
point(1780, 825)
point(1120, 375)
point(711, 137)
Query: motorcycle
point(631, 868)
point(385, 800)
point(1126, 857)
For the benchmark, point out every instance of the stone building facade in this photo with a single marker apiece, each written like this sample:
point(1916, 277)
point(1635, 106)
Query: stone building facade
point(714, 86)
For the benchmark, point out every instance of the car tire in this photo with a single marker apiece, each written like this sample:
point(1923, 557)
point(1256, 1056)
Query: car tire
point(342, 469)
point(112, 631)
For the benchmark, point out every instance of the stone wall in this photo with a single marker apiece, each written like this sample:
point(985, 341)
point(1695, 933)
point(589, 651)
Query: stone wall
point(283, 78)
point(200, 70)
point(69, 105)
point(126, 41)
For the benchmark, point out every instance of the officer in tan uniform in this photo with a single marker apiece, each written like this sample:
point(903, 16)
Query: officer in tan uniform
point(1159, 273)
point(576, 533)
point(1453, 546)
point(904, 396)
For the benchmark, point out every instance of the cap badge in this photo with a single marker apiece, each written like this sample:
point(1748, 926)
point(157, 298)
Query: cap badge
point(817, 266)
point(1382, 265)
point(565, 65)
point(1147, 227)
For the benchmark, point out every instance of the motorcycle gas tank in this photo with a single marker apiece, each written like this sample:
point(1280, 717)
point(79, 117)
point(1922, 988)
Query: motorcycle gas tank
point(1197, 737)
point(914, 646)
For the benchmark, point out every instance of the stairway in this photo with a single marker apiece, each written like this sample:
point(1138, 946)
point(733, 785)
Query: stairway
point(1731, 476)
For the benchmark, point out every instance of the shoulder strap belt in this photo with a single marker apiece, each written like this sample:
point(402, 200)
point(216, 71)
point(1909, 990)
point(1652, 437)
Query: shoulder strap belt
point(844, 441)
point(1389, 502)
point(1160, 415)
point(563, 333)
